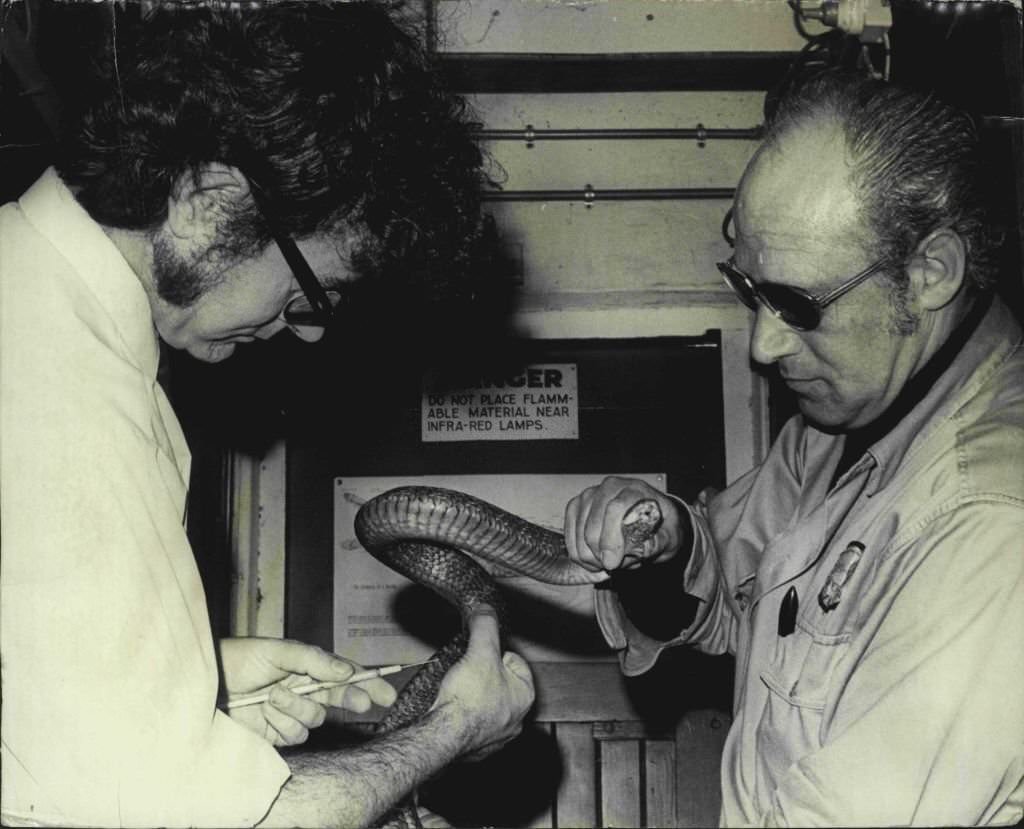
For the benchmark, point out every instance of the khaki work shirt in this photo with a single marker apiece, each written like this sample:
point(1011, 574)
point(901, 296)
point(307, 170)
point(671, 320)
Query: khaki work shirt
point(903, 704)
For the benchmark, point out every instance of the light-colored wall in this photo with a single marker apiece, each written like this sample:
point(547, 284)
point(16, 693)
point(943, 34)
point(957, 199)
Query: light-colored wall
point(646, 253)
point(618, 245)
point(615, 26)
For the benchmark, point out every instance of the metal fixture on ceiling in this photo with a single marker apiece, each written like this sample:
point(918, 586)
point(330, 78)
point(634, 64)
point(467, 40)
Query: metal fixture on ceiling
point(869, 20)
point(700, 133)
point(588, 195)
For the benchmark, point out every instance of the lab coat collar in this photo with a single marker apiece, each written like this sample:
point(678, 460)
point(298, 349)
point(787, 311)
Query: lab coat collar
point(54, 212)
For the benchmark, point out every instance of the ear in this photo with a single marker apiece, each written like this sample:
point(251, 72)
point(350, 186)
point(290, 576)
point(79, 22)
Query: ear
point(936, 270)
point(196, 202)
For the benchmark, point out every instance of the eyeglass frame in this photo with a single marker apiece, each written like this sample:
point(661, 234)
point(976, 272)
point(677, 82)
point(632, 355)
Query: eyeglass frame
point(323, 310)
point(820, 303)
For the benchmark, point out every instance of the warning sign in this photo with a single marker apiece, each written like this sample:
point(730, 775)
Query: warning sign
point(540, 402)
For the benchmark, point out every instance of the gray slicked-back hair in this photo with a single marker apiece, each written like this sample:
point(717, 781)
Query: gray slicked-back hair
point(915, 164)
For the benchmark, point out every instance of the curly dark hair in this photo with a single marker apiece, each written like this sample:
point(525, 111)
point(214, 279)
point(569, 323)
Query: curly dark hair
point(333, 111)
point(915, 165)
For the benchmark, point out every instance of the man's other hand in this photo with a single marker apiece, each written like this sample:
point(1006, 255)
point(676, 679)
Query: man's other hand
point(255, 665)
point(487, 692)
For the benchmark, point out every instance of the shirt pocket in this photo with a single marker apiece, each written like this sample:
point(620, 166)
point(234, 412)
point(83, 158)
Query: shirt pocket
point(798, 680)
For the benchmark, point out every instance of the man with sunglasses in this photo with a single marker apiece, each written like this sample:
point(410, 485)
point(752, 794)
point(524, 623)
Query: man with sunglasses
point(868, 576)
point(225, 177)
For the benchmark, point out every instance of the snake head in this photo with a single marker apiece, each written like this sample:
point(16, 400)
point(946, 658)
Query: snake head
point(640, 524)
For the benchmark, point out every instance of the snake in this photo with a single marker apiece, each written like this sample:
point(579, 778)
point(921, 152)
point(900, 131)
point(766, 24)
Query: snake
point(433, 537)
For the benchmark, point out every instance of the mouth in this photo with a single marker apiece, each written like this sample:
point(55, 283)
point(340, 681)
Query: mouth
point(798, 383)
point(788, 377)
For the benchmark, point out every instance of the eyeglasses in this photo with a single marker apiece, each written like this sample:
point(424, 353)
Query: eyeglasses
point(308, 314)
point(795, 307)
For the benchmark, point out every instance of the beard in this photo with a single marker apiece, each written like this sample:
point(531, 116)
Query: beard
point(180, 281)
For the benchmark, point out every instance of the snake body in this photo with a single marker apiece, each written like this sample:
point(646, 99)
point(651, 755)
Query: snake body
point(424, 533)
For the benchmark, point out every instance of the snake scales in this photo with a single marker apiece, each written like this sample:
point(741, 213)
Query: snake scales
point(424, 532)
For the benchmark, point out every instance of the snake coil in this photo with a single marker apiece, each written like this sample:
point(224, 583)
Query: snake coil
point(424, 533)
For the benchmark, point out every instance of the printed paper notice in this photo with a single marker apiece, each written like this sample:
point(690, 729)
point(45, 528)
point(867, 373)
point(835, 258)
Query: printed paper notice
point(539, 403)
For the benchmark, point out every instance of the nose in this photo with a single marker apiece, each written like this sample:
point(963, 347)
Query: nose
point(307, 333)
point(265, 332)
point(771, 339)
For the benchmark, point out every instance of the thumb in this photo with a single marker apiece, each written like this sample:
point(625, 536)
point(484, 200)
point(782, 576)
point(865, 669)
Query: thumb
point(519, 666)
point(484, 634)
point(300, 658)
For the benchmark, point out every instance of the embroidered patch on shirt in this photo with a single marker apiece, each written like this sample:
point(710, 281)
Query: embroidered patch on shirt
point(832, 592)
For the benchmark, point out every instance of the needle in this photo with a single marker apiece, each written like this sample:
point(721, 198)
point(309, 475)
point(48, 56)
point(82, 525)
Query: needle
point(313, 687)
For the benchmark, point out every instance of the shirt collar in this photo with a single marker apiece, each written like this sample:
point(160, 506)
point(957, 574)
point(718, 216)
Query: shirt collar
point(968, 364)
point(54, 212)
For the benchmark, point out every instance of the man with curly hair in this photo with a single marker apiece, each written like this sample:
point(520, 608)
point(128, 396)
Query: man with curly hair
point(226, 176)
point(868, 575)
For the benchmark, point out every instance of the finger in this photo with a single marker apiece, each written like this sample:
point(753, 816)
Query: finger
point(576, 548)
point(351, 698)
point(587, 552)
point(304, 710)
point(290, 732)
point(572, 512)
point(599, 529)
point(300, 658)
point(378, 691)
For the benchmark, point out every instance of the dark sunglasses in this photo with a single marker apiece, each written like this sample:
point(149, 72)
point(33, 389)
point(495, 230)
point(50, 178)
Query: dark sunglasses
point(795, 307)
